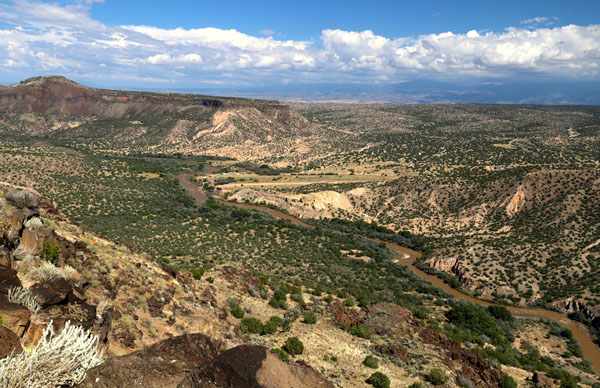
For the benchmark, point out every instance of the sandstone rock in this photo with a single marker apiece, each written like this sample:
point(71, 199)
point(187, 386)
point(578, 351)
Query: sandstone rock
point(444, 264)
point(162, 365)
point(16, 317)
point(574, 305)
point(250, 366)
point(9, 342)
point(453, 266)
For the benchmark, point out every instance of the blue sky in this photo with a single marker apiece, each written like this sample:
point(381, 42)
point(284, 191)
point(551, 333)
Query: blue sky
point(244, 44)
point(302, 20)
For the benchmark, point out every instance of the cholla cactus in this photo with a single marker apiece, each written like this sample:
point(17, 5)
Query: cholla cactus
point(56, 361)
point(24, 298)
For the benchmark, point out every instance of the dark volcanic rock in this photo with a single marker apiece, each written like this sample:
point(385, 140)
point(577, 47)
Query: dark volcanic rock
point(249, 366)
point(16, 317)
point(51, 292)
point(474, 366)
point(342, 316)
point(8, 278)
point(162, 365)
point(9, 342)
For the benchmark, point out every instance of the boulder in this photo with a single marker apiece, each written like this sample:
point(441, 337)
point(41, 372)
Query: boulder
point(250, 366)
point(32, 240)
point(34, 331)
point(9, 342)
point(51, 292)
point(80, 314)
point(162, 365)
point(22, 199)
point(15, 316)
point(8, 278)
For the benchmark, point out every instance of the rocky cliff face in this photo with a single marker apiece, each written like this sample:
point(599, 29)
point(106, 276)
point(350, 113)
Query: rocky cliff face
point(453, 266)
point(59, 96)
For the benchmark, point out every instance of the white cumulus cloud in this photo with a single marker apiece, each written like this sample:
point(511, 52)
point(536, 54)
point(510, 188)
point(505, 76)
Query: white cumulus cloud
point(44, 37)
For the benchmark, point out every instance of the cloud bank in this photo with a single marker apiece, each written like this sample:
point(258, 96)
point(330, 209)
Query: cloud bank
point(47, 38)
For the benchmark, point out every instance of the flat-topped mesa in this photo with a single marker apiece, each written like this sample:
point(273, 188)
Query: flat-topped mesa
point(60, 96)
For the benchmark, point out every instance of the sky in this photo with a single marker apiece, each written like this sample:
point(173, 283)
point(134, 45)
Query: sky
point(244, 44)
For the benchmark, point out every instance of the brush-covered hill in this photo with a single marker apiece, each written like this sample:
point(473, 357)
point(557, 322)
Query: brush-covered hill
point(232, 328)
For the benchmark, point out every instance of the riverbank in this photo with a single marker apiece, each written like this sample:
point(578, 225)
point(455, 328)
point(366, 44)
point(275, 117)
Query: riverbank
point(580, 332)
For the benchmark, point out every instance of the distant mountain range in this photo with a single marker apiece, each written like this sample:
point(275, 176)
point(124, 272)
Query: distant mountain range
point(425, 92)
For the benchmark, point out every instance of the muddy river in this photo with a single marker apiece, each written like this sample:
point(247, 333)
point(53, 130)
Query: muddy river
point(580, 332)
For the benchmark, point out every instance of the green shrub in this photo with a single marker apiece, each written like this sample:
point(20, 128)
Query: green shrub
point(279, 300)
point(437, 376)
point(197, 273)
point(501, 313)
point(507, 382)
point(210, 279)
point(293, 346)
point(416, 384)
point(281, 354)
point(378, 380)
point(310, 318)
point(1, 320)
point(475, 321)
point(371, 362)
point(348, 303)
point(237, 311)
point(50, 251)
point(361, 331)
point(278, 320)
point(251, 325)
point(298, 298)
point(270, 327)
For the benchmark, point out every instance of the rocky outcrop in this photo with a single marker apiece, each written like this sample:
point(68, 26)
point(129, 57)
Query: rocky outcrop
point(455, 267)
point(323, 204)
point(194, 361)
point(22, 234)
point(60, 96)
point(250, 366)
point(473, 366)
point(343, 316)
point(573, 305)
point(162, 365)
